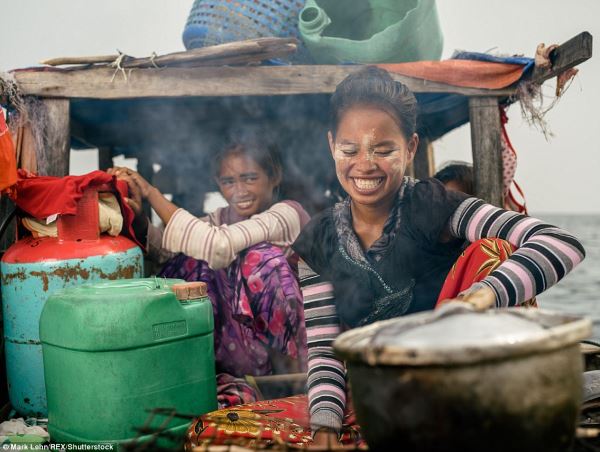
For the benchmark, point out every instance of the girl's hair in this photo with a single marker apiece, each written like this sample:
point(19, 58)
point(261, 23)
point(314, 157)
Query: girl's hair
point(375, 87)
point(255, 145)
point(458, 172)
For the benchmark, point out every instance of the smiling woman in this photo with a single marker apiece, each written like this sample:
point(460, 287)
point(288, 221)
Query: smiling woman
point(395, 245)
point(242, 252)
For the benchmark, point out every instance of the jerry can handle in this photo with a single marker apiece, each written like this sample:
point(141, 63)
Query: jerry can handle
point(190, 291)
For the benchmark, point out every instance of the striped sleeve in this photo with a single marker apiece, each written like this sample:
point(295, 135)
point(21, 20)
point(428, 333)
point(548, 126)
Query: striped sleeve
point(219, 245)
point(326, 373)
point(545, 253)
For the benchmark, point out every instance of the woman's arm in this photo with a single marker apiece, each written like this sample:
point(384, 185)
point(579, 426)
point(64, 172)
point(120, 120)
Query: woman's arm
point(326, 373)
point(545, 253)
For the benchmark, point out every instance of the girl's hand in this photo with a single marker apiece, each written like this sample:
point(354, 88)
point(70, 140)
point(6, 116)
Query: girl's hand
point(135, 196)
point(133, 179)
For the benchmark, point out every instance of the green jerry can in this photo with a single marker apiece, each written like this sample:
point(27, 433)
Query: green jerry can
point(114, 351)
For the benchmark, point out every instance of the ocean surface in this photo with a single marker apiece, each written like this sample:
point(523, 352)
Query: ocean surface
point(579, 292)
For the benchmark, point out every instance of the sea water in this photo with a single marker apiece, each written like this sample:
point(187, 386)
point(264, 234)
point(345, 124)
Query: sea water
point(579, 292)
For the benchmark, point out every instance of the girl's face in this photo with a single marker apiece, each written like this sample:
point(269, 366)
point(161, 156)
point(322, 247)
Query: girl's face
point(245, 185)
point(371, 155)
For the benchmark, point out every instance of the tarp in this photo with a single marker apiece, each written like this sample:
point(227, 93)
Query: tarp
point(467, 70)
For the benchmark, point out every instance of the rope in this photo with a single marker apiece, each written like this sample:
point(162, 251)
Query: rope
point(152, 58)
point(118, 65)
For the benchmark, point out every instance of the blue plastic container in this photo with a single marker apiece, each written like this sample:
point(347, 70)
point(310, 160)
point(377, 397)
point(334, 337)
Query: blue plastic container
point(218, 21)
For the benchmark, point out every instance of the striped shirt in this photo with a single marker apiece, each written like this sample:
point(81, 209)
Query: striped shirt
point(219, 244)
point(545, 254)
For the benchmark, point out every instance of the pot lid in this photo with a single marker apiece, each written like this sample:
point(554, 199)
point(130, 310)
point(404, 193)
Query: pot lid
point(456, 334)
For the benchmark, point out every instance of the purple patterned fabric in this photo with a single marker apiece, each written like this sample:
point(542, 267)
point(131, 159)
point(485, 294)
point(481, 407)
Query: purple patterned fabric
point(257, 307)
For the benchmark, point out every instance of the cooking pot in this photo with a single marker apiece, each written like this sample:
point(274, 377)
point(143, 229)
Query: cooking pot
point(459, 380)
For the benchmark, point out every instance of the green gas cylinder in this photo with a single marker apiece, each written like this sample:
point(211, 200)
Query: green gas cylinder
point(114, 351)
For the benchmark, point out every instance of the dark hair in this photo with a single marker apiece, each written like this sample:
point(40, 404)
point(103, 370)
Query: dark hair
point(373, 86)
point(255, 145)
point(459, 172)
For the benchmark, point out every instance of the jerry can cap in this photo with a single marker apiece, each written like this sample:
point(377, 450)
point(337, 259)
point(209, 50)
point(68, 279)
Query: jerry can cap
point(189, 290)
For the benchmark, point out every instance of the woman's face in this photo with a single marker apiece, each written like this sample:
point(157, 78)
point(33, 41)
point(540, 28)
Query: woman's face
point(245, 185)
point(371, 155)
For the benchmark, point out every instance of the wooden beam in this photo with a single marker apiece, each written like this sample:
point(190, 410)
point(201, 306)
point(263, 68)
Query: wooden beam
point(487, 149)
point(53, 158)
point(423, 163)
point(103, 83)
point(573, 52)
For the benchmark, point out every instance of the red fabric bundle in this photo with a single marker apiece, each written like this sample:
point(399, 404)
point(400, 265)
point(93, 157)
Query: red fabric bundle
point(43, 196)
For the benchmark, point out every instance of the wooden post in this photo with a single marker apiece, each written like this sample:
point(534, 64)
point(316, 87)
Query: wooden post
point(105, 160)
point(487, 149)
point(8, 233)
point(53, 158)
point(423, 163)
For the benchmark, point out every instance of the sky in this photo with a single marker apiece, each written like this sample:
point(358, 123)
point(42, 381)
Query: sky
point(559, 175)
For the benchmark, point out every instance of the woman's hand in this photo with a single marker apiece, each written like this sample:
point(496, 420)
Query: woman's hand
point(480, 299)
point(325, 439)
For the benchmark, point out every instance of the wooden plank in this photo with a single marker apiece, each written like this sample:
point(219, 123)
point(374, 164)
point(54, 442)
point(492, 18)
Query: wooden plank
point(487, 149)
point(102, 83)
point(573, 52)
point(251, 50)
point(423, 163)
point(53, 158)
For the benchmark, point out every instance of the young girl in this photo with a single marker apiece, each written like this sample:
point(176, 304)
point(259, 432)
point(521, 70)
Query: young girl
point(388, 249)
point(243, 254)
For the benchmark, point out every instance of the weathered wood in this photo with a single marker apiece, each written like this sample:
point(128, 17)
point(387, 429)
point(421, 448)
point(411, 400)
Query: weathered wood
point(240, 51)
point(60, 61)
point(233, 52)
point(573, 52)
point(53, 158)
point(423, 163)
point(26, 148)
point(7, 223)
point(103, 83)
point(487, 150)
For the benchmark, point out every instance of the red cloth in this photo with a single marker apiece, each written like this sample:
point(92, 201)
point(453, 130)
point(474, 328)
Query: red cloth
point(8, 160)
point(43, 196)
point(263, 424)
point(465, 73)
point(479, 260)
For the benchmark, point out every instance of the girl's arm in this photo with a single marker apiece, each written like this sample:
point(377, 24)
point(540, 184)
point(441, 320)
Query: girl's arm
point(545, 253)
point(217, 245)
point(326, 373)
